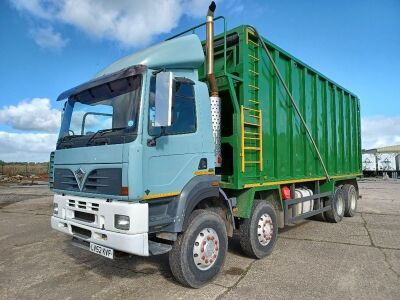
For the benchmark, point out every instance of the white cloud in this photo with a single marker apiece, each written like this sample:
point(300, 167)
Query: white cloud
point(26, 146)
point(36, 114)
point(48, 38)
point(129, 22)
point(380, 131)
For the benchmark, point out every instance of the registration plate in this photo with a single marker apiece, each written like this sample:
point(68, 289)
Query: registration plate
point(104, 251)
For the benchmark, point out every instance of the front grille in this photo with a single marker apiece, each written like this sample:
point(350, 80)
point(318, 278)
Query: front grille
point(51, 170)
point(104, 181)
point(81, 232)
point(83, 216)
point(98, 181)
point(83, 205)
point(64, 179)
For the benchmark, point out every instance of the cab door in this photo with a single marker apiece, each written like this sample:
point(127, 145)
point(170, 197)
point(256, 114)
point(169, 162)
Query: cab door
point(170, 162)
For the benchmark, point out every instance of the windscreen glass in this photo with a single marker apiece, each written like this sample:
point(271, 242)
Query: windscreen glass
point(106, 114)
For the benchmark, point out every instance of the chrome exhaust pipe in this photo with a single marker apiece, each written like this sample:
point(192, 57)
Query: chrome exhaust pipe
point(212, 83)
point(210, 49)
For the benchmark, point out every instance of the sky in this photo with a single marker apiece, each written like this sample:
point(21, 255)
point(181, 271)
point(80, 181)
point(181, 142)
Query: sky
point(48, 46)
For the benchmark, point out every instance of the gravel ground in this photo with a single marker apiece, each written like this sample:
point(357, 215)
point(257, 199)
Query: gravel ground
point(358, 258)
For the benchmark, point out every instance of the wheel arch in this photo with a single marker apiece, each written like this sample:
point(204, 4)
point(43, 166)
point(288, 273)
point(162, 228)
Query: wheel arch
point(245, 199)
point(202, 193)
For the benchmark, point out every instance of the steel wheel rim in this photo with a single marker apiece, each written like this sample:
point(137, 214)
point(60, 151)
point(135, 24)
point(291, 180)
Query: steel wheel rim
point(206, 249)
point(339, 205)
point(353, 202)
point(265, 229)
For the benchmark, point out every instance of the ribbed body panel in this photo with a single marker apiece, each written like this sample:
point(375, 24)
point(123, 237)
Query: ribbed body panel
point(282, 151)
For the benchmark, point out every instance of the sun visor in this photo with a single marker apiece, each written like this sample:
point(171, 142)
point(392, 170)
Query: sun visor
point(124, 73)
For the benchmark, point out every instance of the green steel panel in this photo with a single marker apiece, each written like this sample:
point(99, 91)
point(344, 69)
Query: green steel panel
point(330, 111)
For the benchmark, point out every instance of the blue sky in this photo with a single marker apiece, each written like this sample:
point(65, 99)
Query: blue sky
point(50, 46)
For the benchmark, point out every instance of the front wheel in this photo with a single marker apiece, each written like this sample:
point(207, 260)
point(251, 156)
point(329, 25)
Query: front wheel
point(258, 233)
point(199, 253)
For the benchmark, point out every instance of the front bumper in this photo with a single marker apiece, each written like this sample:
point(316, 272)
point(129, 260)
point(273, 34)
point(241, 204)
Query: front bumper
point(99, 228)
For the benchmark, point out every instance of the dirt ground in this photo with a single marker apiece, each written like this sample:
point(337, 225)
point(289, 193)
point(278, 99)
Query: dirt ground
point(358, 258)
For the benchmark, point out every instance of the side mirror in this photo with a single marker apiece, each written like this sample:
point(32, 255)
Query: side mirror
point(163, 99)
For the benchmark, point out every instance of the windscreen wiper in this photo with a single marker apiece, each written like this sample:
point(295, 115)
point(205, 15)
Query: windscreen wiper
point(101, 132)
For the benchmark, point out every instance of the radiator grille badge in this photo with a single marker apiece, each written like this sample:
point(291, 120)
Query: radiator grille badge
point(79, 175)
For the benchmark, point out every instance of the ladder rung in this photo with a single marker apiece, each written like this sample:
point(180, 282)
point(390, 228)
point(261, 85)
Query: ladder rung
point(253, 86)
point(254, 116)
point(248, 108)
point(252, 162)
point(251, 138)
point(256, 73)
point(251, 124)
point(249, 132)
point(253, 57)
point(252, 148)
point(254, 43)
point(254, 101)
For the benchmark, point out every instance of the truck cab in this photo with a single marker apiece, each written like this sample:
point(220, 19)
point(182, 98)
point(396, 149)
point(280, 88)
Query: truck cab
point(113, 157)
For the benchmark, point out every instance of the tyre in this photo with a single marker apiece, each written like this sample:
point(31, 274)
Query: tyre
point(350, 196)
point(258, 233)
point(199, 253)
point(336, 213)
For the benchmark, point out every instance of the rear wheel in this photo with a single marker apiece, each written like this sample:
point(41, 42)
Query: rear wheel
point(350, 196)
point(336, 213)
point(199, 253)
point(258, 233)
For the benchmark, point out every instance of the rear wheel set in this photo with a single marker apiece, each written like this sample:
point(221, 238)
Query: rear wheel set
point(258, 234)
point(350, 196)
point(344, 203)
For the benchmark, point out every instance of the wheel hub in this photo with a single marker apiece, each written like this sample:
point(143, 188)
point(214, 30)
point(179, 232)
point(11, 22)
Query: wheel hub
point(265, 229)
point(353, 202)
point(206, 249)
point(339, 206)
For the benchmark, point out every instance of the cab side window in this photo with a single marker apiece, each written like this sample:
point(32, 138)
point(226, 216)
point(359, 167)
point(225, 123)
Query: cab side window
point(183, 110)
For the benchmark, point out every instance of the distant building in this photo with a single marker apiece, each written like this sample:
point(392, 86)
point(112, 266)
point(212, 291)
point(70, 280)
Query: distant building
point(381, 161)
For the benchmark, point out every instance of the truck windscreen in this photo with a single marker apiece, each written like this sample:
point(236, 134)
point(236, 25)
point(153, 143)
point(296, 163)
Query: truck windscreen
point(105, 114)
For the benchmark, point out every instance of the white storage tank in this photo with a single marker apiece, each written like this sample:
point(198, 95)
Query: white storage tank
point(386, 162)
point(368, 162)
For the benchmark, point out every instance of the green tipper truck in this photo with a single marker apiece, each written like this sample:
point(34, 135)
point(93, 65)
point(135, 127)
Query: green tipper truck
point(175, 148)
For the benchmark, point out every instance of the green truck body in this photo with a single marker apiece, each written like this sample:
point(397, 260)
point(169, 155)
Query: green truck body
point(282, 151)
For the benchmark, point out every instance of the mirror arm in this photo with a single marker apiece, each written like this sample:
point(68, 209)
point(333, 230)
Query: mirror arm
point(158, 71)
point(153, 141)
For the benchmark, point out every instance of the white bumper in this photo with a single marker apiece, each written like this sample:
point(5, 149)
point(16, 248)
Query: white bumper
point(92, 220)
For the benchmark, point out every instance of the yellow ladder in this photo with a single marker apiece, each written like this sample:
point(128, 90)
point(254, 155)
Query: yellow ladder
point(253, 68)
point(251, 116)
point(251, 136)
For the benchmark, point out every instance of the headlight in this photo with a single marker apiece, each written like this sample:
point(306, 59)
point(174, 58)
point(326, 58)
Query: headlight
point(121, 222)
point(55, 208)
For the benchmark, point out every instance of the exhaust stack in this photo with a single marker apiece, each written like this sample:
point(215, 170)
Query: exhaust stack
point(210, 49)
point(212, 83)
